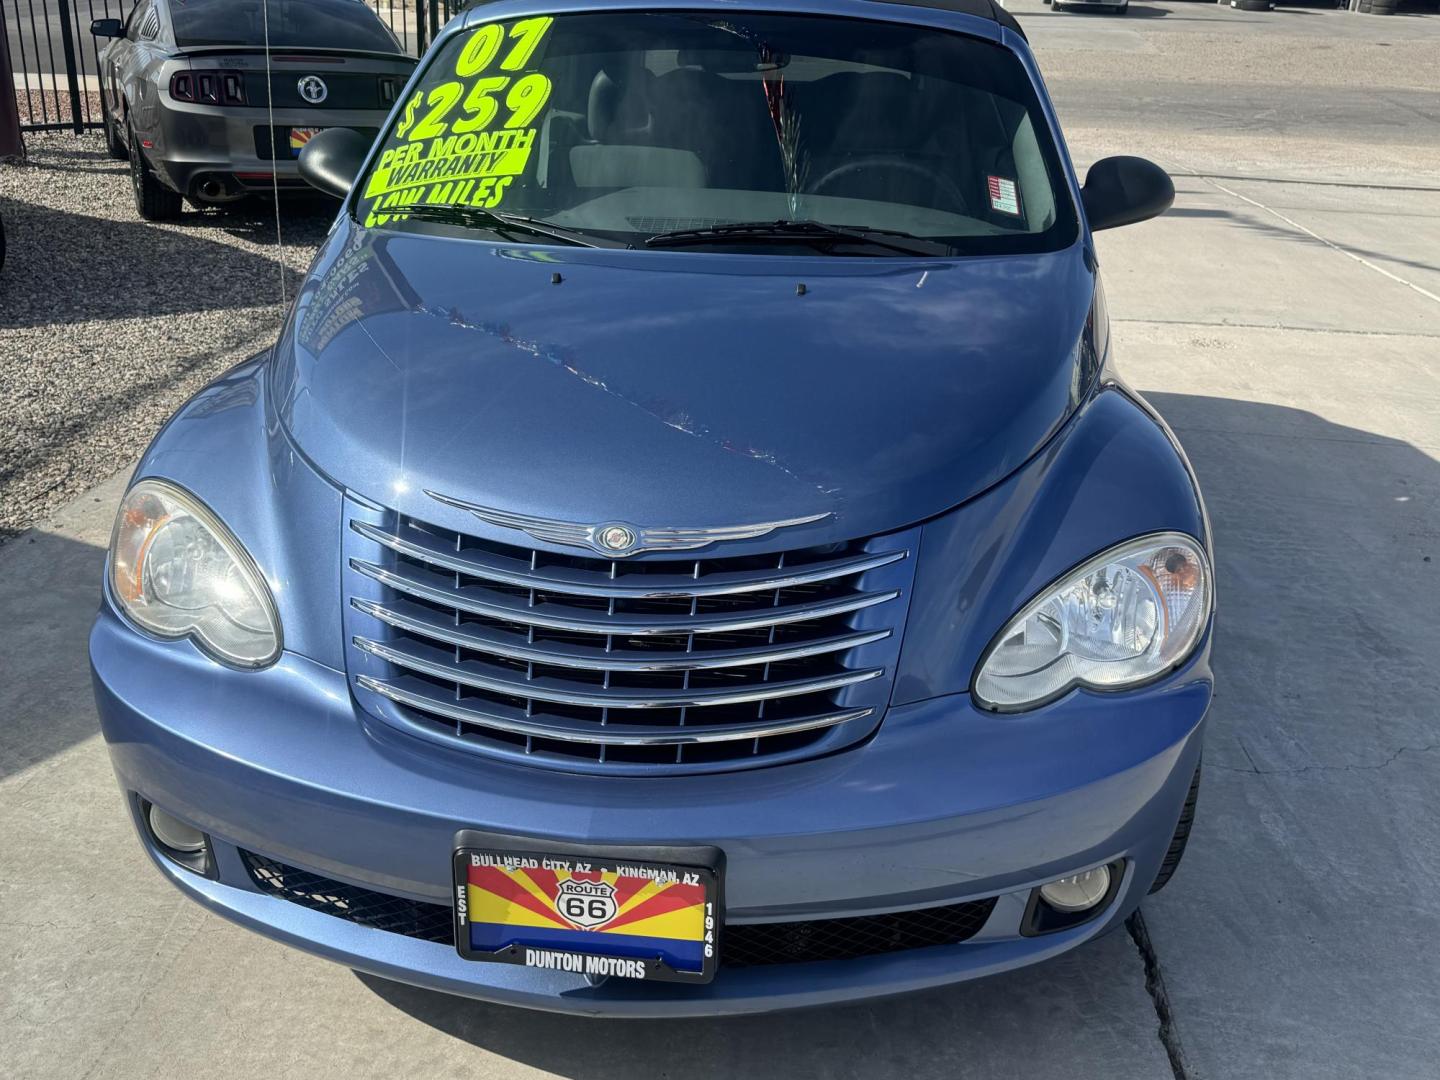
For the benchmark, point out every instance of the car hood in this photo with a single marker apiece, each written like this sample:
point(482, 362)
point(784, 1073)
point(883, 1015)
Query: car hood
point(678, 389)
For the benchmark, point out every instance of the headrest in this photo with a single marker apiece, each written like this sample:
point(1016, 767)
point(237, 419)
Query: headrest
point(619, 106)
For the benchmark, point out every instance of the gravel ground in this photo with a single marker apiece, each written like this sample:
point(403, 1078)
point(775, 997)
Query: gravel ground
point(49, 103)
point(108, 323)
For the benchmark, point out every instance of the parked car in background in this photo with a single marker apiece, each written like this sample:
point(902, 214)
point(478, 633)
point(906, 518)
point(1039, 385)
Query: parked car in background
point(184, 95)
point(689, 550)
point(1115, 7)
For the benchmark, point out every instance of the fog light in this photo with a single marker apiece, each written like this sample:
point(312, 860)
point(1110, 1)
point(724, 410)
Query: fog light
point(174, 833)
point(1078, 892)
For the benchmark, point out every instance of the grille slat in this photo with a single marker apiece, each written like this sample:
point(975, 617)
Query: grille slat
point(427, 660)
point(515, 721)
point(479, 638)
point(427, 548)
point(632, 666)
point(497, 605)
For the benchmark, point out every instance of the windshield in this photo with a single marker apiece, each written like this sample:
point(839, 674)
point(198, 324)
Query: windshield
point(333, 24)
point(709, 131)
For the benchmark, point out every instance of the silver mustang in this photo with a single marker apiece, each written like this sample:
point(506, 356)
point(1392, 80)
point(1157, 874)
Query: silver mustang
point(185, 99)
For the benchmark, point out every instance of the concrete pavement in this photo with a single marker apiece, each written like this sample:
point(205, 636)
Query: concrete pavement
point(1290, 331)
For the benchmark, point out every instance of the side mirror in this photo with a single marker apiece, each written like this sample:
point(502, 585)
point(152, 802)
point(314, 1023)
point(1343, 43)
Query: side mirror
point(332, 159)
point(1124, 190)
point(107, 28)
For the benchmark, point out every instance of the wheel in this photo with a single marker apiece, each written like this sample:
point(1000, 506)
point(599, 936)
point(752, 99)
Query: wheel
point(1181, 837)
point(153, 200)
point(117, 150)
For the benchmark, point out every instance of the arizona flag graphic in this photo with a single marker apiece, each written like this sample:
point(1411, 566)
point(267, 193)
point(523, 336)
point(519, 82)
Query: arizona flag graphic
point(605, 912)
point(300, 136)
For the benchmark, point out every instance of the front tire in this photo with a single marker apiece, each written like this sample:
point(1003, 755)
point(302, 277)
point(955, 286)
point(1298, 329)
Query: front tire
point(153, 200)
point(1181, 838)
point(117, 150)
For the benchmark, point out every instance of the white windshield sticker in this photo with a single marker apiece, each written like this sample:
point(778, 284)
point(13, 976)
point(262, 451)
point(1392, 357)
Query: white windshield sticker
point(1004, 196)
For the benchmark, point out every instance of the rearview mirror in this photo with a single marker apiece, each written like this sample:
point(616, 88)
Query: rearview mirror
point(107, 28)
point(332, 159)
point(1124, 190)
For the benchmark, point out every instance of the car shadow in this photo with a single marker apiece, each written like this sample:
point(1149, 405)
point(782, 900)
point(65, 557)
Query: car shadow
point(49, 591)
point(1056, 1019)
point(304, 219)
point(1327, 543)
point(63, 267)
point(1327, 548)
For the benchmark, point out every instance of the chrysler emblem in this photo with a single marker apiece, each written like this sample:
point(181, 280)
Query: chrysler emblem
point(617, 541)
point(616, 538)
point(313, 89)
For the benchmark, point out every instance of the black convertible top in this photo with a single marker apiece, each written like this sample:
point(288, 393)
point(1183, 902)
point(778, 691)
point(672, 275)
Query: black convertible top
point(981, 9)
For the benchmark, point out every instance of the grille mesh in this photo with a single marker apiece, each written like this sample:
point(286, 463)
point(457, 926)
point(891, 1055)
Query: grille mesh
point(756, 944)
point(632, 664)
point(743, 945)
point(394, 914)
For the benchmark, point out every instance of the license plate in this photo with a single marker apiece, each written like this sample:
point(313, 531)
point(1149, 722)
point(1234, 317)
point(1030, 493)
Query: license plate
point(595, 913)
point(300, 136)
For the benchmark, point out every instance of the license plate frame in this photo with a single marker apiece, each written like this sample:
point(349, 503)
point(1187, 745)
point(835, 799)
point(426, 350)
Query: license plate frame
point(547, 939)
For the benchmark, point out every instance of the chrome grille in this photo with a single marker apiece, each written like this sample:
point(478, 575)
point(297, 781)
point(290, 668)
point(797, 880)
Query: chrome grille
point(636, 665)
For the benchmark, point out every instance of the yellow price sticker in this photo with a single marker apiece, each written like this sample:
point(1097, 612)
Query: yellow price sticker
point(443, 150)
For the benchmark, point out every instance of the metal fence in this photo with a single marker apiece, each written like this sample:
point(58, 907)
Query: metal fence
point(55, 62)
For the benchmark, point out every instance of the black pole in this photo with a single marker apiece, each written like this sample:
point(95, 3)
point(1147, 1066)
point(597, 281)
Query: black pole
point(419, 27)
point(11, 145)
point(67, 42)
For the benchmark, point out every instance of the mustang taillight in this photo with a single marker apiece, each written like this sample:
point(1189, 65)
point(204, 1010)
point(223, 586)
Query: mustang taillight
point(208, 87)
point(387, 90)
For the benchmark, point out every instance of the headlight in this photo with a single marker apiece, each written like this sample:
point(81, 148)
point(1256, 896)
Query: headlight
point(177, 572)
point(1126, 616)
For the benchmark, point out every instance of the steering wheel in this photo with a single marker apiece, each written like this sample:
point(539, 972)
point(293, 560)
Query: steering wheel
point(943, 183)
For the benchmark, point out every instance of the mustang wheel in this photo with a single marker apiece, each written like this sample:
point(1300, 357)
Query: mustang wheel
point(117, 149)
point(153, 200)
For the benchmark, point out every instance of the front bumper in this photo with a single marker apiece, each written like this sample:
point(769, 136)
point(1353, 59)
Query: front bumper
point(945, 803)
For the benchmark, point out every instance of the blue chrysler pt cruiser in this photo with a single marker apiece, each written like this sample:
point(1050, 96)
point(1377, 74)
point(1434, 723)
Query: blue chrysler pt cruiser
point(688, 551)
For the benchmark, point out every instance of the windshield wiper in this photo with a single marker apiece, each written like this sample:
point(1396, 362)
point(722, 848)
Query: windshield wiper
point(476, 218)
point(815, 232)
